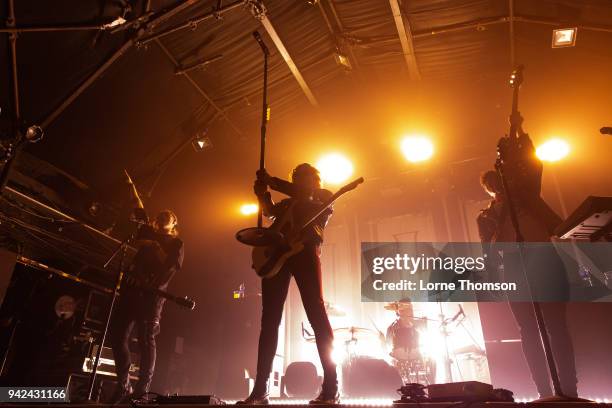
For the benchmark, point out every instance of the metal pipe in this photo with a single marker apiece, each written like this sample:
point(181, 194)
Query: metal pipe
point(191, 23)
point(198, 88)
point(267, 24)
point(38, 265)
point(184, 69)
point(42, 29)
point(87, 83)
point(60, 214)
point(167, 14)
point(405, 35)
point(13, 41)
point(460, 27)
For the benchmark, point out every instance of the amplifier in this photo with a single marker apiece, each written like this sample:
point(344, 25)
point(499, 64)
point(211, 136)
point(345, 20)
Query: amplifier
point(459, 391)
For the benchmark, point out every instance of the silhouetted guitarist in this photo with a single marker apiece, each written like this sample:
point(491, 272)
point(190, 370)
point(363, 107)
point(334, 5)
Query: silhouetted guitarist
point(306, 197)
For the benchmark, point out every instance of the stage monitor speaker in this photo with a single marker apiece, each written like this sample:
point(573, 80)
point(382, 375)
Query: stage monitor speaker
point(366, 377)
point(301, 380)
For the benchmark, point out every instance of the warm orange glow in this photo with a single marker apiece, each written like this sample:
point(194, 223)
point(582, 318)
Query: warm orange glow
point(249, 209)
point(417, 148)
point(553, 150)
point(335, 168)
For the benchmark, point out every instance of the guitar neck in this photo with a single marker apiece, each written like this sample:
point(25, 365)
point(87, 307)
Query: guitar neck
point(329, 202)
point(181, 301)
point(513, 127)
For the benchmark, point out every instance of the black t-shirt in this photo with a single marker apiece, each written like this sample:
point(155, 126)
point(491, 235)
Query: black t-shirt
point(147, 263)
point(301, 212)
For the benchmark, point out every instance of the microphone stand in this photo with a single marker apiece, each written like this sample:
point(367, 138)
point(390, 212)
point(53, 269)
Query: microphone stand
point(264, 115)
point(260, 236)
point(119, 251)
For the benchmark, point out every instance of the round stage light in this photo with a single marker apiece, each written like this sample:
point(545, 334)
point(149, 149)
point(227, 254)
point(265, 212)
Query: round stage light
point(249, 209)
point(334, 168)
point(417, 148)
point(553, 150)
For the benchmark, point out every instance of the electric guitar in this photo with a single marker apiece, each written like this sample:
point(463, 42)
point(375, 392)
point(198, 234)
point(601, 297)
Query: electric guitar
point(267, 261)
point(184, 301)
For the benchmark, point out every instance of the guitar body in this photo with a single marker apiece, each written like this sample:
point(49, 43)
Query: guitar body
point(268, 261)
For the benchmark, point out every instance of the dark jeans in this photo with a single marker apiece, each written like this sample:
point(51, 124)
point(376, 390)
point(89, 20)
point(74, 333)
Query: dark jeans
point(142, 312)
point(560, 341)
point(548, 283)
point(306, 269)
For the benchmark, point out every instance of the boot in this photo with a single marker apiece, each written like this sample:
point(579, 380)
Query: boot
point(122, 394)
point(255, 399)
point(259, 395)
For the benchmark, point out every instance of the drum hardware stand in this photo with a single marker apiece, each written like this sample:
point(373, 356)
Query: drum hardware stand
point(448, 363)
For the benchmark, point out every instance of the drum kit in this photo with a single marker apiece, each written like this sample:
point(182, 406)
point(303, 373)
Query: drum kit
point(400, 346)
point(403, 334)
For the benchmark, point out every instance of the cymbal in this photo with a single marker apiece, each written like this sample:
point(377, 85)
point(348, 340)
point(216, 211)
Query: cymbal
point(397, 306)
point(354, 333)
point(259, 236)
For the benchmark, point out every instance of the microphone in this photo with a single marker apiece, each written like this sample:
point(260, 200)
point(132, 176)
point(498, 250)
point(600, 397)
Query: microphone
point(139, 216)
point(261, 42)
point(606, 130)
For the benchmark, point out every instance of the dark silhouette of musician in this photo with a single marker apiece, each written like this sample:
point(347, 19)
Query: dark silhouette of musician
point(544, 270)
point(160, 255)
point(306, 197)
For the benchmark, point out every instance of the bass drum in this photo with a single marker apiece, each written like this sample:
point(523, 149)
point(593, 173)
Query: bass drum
point(366, 377)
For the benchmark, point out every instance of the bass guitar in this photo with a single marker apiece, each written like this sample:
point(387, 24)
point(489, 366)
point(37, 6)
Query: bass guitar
point(268, 260)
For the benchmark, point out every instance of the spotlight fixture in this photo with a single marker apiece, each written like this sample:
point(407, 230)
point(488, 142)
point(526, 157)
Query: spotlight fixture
point(343, 61)
point(201, 142)
point(34, 134)
point(564, 37)
point(115, 23)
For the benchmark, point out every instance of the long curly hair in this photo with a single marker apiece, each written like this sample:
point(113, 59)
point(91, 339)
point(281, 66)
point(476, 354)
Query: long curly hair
point(163, 217)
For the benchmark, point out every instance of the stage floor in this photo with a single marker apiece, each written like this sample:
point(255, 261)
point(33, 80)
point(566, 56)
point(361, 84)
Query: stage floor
point(421, 405)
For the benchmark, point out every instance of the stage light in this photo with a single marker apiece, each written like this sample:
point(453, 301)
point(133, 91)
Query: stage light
point(553, 150)
point(417, 148)
point(249, 209)
point(564, 37)
point(115, 23)
point(201, 142)
point(343, 61)
point(334, 168)
point(34, 134)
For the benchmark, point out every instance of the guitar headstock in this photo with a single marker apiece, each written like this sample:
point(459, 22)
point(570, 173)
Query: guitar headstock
point(350, 186)
point(516, 78)
point(186, 302)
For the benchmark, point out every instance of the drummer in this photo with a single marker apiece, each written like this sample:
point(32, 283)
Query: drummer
point(402, 335)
